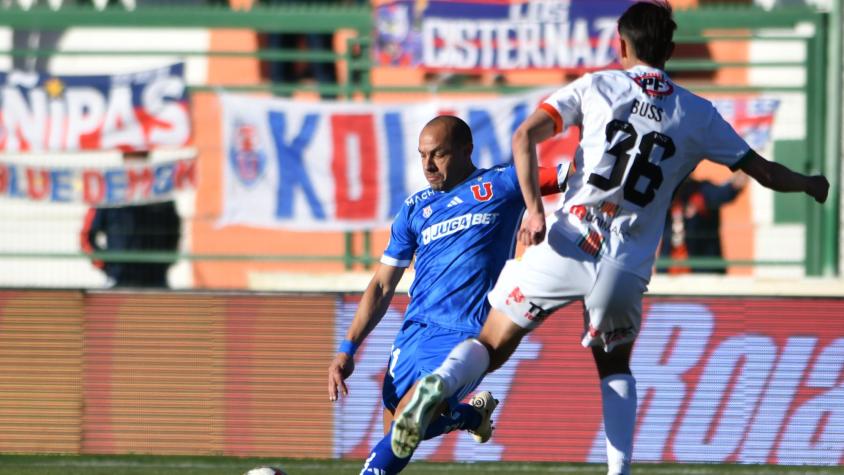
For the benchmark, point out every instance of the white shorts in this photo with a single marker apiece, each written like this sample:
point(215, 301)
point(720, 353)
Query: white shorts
point(556, 272)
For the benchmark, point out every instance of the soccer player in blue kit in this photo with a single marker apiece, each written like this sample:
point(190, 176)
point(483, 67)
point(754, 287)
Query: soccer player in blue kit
point(461, 231)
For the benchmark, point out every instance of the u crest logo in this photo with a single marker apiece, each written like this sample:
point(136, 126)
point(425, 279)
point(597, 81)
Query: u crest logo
point(482, 192)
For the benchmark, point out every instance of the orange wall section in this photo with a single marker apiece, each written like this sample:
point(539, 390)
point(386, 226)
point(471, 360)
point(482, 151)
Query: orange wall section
point(737, 231)
point(165, 373)
point(149, 387)
point(207, 238)
point(41, 346)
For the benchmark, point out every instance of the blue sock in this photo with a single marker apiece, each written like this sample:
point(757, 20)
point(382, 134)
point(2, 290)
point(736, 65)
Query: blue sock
point(382, 460)
point(462, 417)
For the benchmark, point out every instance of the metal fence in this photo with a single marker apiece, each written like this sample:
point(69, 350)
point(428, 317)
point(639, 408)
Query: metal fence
point(816, 82)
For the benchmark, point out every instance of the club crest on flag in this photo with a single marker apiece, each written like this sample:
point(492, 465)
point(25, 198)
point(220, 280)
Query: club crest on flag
point(247, 159)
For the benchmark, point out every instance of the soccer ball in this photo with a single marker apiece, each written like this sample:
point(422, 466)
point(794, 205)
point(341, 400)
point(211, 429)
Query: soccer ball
point(265, 471)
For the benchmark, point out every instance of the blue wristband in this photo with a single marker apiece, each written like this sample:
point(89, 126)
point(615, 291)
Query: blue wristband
point(348, 347)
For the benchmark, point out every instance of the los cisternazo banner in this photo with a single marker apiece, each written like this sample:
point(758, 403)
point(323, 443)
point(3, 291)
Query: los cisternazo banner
point(136, 111)
point(495, 35)
point(329, 166)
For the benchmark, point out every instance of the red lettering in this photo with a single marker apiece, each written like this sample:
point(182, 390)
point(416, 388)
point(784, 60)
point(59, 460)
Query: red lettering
point(24, 144)
point(90, 141)
point(356, 196)
point(4, 179)
point(93, 187)
point(37, 183)
point(516, 295)
point(185, 174)
point(139, 178)
point(486, 195)
point(149, 123)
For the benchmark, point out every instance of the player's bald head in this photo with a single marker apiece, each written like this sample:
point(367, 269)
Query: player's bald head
point(457, 131)
point(445, 145)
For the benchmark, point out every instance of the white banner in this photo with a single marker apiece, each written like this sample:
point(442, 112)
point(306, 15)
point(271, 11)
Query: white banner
point(342, 166)
point(137, 111)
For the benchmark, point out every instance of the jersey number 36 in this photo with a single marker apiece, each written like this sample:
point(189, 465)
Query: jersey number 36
point(642, 165)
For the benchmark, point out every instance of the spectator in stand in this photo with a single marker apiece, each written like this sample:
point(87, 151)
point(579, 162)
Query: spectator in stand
point(286, 72)
point(152, 227)
point(693, 223)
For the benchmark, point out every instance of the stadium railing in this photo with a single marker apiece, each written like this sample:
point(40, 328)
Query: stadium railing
point(821, 88)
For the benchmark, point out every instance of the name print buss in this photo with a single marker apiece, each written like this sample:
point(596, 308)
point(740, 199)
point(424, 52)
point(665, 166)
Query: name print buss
point(137, 111)
point(721, 380)
point(498, 35)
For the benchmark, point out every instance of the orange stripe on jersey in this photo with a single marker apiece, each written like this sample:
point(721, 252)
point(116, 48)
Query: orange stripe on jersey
point(587, 246)
point(591, 243)
point(558, 120)
point(609, 208)
point(595, 240)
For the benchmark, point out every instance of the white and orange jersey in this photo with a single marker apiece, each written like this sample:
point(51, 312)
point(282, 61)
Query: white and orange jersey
point(642, 135)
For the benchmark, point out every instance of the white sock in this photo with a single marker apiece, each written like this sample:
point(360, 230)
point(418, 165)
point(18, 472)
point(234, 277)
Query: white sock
point(618, 394)
point(466, 363)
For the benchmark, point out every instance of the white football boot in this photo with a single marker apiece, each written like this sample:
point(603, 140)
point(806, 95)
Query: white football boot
point(413, 420)
point(484, 403)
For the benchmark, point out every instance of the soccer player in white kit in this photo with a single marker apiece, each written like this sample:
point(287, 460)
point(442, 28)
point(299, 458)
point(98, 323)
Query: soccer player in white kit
point(642, 135)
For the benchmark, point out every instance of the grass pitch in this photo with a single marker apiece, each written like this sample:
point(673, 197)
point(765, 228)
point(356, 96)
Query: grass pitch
point(157, 465)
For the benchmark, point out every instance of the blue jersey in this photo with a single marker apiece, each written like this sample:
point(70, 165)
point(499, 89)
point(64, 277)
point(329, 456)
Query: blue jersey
point(461, 239)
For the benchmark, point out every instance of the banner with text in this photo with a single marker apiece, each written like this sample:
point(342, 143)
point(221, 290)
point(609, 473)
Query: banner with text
point(341, 166)
point(477, 35)
point(137, 111)
point(719, 380)
point(345, 166)
point(752, 117)
point(97, 185)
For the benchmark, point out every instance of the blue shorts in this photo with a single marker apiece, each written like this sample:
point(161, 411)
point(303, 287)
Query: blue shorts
point(419, 348)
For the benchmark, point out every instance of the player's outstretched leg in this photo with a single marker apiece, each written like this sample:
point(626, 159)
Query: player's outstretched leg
point(411, 423)
point(382, 461)
point(485, 404)
point(475, 417)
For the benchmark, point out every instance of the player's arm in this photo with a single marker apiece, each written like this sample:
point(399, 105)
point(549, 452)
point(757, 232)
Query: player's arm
point(539, 126)
point(373, 305)
point(780, 178)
